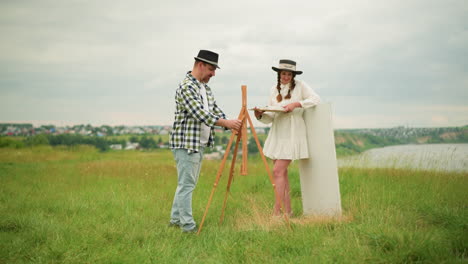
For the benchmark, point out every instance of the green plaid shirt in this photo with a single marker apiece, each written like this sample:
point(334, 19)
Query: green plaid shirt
point(190, 113)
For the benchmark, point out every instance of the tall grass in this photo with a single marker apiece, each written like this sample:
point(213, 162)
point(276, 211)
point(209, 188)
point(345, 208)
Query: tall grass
point(77, 205)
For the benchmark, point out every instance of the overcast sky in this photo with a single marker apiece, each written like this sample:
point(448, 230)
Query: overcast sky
point(380, 63)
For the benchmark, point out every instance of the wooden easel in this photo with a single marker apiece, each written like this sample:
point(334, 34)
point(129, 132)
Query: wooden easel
point(241, 135)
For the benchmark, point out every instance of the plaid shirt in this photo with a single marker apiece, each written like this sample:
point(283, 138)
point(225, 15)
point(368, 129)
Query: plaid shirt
point(190, 113)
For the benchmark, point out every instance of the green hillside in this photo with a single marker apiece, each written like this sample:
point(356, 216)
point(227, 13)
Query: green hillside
point(352, 141)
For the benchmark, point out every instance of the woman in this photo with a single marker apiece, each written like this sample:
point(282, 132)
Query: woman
point(287, 139)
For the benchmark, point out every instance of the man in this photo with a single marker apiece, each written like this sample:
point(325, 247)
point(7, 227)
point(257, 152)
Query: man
point(195, 116)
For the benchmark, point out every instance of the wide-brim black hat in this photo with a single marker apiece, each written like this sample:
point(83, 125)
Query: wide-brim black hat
point(287, 65)
point(208, 57)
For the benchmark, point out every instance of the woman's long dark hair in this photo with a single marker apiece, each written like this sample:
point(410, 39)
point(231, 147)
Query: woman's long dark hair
point(279, 98)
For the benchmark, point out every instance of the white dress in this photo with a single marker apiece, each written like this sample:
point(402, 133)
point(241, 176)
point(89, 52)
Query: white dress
point(287, 137)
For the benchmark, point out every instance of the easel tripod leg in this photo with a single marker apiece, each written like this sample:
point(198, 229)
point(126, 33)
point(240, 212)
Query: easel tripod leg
point(231, 176)
point(218, 176)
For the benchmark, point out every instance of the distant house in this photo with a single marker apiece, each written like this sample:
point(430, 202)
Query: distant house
point(131, 145)
point(212, 156)
point(84, 132)
point(116, 146)
point(136, 130)
point(163, 145)
point(219, 148)
point(260, 130)
point(219, 130)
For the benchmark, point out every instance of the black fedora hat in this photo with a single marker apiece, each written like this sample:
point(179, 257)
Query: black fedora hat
point(208, 57)
point(287, 65)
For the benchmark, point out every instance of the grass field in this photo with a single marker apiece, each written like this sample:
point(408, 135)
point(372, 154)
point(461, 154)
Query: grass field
point(77, 205)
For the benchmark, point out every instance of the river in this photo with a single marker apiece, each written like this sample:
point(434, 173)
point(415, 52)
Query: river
point(441, 157)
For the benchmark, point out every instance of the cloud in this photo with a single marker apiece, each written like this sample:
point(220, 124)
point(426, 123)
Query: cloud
point(367, 57)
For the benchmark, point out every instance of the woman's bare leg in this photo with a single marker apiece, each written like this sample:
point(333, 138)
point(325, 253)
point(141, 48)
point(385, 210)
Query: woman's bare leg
point(280, 174)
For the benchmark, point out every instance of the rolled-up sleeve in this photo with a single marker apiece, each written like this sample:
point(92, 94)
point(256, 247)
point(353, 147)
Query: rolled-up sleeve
point(218, 111)
point(266, 118)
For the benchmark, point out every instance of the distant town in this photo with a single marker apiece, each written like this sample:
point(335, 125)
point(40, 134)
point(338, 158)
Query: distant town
point(11, 129)
point(105, 137)
point(347, 141)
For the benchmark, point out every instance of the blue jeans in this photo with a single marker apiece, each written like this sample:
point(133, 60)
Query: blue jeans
point(188, 171)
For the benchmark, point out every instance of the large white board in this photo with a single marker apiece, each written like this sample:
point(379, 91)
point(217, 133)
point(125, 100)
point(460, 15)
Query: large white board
point(319, 174)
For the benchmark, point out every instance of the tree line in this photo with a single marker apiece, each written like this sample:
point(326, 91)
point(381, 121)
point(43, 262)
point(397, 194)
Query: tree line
point(101, 143)
point(347, 142)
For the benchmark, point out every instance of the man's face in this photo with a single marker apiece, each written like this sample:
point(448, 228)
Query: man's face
point(285, 77)
point(207, 71)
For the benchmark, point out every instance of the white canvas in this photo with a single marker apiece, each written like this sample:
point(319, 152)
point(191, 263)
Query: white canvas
point(319, 174)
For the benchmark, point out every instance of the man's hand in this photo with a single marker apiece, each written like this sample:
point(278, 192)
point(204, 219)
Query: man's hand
point(290, 107)
point(234, 124)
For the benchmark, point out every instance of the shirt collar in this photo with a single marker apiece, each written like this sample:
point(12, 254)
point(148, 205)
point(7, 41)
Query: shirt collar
point(193, 79)
point(284, 86)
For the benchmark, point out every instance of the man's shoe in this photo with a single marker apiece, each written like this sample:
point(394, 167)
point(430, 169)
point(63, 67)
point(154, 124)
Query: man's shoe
point(194, 230)
point(173, 225)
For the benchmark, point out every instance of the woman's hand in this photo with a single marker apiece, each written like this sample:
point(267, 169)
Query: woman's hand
point(258, 113)
point(290, 107)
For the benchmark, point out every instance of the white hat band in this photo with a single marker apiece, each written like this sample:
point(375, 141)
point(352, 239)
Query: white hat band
point(287, 66)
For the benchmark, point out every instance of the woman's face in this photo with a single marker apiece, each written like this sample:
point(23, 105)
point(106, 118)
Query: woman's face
point(285, 77)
